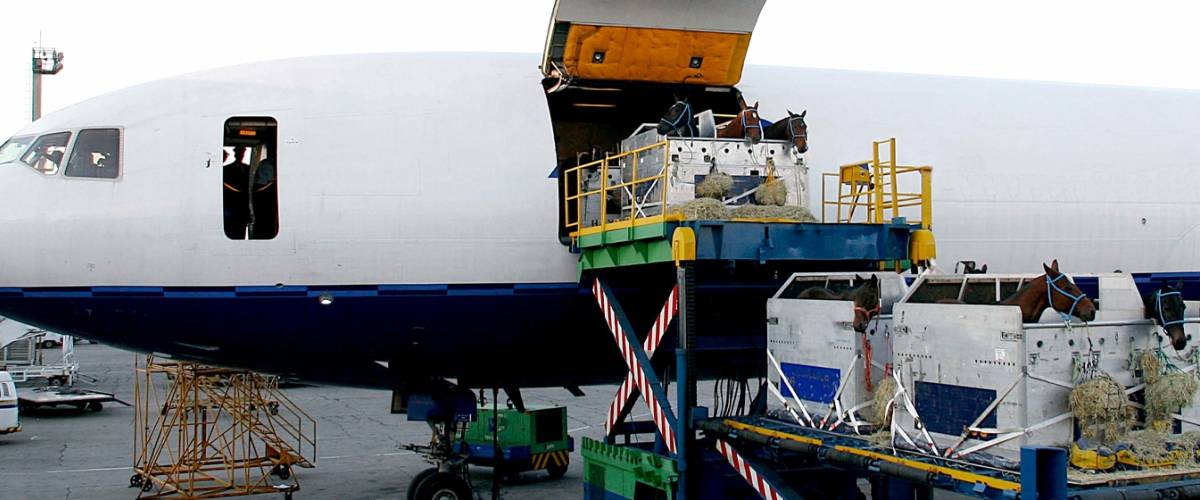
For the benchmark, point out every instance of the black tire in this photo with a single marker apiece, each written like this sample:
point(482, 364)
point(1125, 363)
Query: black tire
point(48, 344)
point(417, 480)
point(282, 471)
point(56, 381)
point(95, 406)
point(508, 475)
point(557, 471)
point(445, 486)
point(135, 481)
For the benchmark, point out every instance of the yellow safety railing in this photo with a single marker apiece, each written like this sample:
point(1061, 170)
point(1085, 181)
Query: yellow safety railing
point(645, 206)
point(869, 191)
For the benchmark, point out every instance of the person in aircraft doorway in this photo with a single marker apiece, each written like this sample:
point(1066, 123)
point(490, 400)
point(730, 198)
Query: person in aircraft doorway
point(236, 199)
point(264, 221)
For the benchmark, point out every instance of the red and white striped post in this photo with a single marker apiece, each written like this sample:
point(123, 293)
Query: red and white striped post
point(643, 375)
point(747, 471)
point(626, 394)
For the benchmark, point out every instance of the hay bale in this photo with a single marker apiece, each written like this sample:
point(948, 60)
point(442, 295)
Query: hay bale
point(771, 192)
point(773, 212)
point(1101, 408)
point(701, 209)
point(1152, 367)
point(1166, 395)
point(715, 185)
point(881, 402)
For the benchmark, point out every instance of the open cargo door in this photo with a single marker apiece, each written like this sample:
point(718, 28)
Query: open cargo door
point(699, 42)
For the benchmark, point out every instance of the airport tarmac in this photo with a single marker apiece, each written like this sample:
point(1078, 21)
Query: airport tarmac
point(66, 454)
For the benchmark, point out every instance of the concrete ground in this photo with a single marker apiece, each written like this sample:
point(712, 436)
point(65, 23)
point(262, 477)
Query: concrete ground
point(66, 454)
point(70, 454)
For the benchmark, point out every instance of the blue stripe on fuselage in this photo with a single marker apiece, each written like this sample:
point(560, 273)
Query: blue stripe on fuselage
point(293, 290)
point(526, 334)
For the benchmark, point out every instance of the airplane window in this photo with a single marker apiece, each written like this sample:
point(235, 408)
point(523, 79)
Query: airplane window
point(46, 154)
point(14, 148)
point(97, 153)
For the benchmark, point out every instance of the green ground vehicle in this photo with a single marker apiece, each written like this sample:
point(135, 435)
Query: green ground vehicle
point(534, 439)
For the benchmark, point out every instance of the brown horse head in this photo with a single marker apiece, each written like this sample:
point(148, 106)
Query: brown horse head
point(866, 297)
point(1064, 297)
point(751, 123)
point(1166, 307)
point(798, 131)
point(746, 125)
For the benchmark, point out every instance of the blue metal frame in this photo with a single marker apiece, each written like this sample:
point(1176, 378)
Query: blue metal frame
point(788, 241)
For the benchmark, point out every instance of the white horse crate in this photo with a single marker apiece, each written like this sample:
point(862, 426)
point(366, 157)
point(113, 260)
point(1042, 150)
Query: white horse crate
point(816, 348)
point(978, 380)
point(690, 159)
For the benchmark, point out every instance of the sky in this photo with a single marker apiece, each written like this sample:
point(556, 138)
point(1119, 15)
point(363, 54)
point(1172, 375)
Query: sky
point(117, 43)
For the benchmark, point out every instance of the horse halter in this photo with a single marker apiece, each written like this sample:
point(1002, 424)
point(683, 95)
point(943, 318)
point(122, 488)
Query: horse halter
point(868, 313)
point(1051, 285)
point(745, 127)
point(684, 116)
point(792, 130)
point(1158, 308)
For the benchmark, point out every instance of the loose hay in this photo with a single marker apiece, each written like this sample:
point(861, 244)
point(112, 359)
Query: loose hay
point(1152, 447)
point(701, 209)
point(1101, 408)
point(881, 439)
point(711, 209)
point(772, 192)
point(1167, 395)
point(773, 212)
point(715, 185)
point(1148, 446)
point(1152, 367)
point(881, 402)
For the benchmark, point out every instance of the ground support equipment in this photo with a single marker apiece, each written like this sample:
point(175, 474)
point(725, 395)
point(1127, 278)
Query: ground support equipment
point(207, 432)
point(528, 440)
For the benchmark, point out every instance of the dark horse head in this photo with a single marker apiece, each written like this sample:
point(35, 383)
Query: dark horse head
point(1165, 306)
point(1063, 296)
point(678, 121)
point(866, 297)
point(793, 129)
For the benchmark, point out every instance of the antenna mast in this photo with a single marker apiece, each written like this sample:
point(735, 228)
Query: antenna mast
point(46, 61)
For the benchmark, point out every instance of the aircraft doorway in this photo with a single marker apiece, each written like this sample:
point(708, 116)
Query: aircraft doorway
point(249, 188)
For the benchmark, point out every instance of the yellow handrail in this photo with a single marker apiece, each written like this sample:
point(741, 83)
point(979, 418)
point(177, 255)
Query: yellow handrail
point(573, 176)
point(869, 191)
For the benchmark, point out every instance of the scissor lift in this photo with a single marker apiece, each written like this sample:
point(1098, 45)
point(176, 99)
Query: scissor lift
point(641, 243)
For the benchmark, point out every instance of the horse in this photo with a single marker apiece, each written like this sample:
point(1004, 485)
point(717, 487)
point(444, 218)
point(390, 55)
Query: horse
point(969, 267)
point(1165, 306)
point(746, 125)
point(864, 293)
point(1052, 290)
point(679, 121)
point(793, 130)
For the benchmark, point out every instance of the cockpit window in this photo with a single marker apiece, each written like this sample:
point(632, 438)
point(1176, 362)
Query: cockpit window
point(97, 153)
point(14, 148)
point(46, 154)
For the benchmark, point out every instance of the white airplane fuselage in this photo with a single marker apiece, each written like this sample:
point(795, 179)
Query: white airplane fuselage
point(417, 191)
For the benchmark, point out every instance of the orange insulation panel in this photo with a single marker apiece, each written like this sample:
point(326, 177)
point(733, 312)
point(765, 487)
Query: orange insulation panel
point(655, 55)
